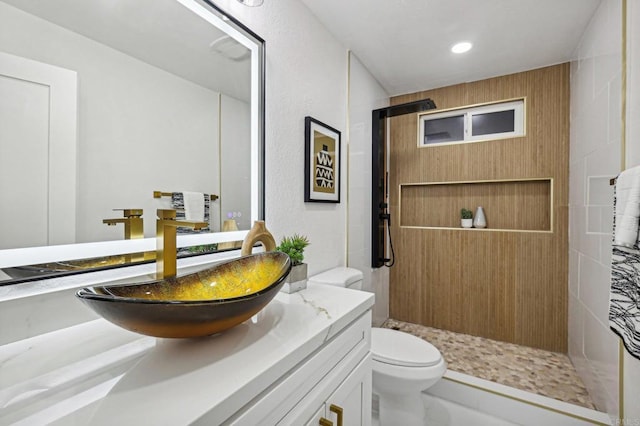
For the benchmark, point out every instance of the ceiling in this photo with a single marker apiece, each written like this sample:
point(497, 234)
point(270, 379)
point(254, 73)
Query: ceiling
point(406, 44)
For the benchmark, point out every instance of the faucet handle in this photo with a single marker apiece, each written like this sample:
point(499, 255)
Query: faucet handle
point(170, 215)
point(130, 212)
point(166, 214)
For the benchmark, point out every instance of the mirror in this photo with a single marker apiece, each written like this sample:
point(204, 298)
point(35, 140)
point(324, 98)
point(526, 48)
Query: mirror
point(103, 103)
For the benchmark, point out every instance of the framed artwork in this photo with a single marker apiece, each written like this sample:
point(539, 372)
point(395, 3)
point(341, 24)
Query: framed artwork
point(322, 162)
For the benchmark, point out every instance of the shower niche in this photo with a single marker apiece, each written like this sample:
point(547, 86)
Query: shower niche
point(516, 205)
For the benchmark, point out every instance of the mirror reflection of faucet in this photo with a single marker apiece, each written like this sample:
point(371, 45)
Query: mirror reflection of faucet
point(133, 229)
point(166, 246)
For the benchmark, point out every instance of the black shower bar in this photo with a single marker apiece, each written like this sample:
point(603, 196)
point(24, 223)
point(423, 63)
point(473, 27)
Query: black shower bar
point(379, 204)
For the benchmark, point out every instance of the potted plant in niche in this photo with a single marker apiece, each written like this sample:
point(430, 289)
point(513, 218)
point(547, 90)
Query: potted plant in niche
point(466, 218)
point(294, 247)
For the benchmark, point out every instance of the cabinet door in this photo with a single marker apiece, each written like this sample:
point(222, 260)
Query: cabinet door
point(315, 419)
point(350, 404)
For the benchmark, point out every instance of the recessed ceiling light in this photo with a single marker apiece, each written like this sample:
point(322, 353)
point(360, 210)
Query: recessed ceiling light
point(461, 47)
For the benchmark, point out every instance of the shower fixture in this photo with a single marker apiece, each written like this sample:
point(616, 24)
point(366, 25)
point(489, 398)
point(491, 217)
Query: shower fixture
point(380, 215)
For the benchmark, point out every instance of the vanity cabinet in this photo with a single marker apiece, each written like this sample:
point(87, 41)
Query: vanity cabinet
point(337, 378)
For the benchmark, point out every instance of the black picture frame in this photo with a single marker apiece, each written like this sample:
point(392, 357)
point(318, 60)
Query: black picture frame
point(322, 162)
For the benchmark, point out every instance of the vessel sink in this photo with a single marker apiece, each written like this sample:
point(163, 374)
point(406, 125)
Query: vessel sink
point(193, 305)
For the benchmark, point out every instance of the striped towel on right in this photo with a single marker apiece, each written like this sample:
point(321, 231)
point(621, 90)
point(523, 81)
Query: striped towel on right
point(624, 306)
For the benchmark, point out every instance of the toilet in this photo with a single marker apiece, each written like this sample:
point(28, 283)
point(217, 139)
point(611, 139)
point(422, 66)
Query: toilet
point(403, 365)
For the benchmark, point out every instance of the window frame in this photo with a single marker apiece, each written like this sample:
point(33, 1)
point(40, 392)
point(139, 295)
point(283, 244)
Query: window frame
point(518, 105)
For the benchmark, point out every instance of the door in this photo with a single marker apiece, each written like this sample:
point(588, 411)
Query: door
point(38, 114)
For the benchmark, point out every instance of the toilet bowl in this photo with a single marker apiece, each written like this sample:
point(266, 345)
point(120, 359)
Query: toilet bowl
point(403, 366)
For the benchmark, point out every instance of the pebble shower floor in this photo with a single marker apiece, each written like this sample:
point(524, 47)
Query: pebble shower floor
point(533, 370)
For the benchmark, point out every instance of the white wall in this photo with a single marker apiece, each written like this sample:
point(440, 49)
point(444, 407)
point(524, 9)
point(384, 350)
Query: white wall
point(631, 366)
point(595, 157)
point(365, 95)
point(633, 84)
point(306, 73)
point(129, 112)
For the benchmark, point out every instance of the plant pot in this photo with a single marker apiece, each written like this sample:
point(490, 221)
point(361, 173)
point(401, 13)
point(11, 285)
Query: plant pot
point(466, 223)
point(297, 279)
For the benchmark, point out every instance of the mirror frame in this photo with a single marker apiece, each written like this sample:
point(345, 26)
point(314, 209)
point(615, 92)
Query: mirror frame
point(216, 16)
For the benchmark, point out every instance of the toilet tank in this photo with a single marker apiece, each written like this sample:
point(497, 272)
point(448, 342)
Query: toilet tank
point(341, 277)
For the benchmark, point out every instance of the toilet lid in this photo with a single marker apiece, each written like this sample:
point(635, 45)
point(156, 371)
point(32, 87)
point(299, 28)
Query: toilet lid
point(399, 348)
point(342, 277)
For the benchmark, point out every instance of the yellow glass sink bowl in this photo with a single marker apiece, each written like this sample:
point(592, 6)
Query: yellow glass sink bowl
point(193, 305)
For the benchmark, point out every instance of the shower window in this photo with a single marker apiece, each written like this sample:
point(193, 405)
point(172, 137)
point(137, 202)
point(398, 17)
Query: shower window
point(472, 124)
point(489, 123)
point(445, 129)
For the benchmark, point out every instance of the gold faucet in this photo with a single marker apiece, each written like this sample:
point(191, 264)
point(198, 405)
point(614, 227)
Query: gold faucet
point(133, 229)
point(166, 248)
point(258, 233)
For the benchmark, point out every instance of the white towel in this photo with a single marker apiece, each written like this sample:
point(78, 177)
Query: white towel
point(627, 207)
point(194, 206)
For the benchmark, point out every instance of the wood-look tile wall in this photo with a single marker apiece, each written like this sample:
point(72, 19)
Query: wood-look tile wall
point(522, 205)
point(509, 286)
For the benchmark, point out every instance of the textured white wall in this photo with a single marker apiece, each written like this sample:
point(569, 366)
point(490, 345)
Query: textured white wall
point(631, 365)
point(595, 157)
point(365, 95)
point(306, 75)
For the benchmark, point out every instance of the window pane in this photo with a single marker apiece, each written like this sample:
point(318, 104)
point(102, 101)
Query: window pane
point(439, 130)
point(493, 122)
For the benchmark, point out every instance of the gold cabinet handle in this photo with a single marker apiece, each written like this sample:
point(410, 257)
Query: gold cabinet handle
point(338, 410)
point(325, 422)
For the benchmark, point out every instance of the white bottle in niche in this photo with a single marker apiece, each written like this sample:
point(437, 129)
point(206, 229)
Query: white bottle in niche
point(479, 221)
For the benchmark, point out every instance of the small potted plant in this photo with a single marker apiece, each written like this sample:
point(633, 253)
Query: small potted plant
point(466, 218)
point(294, 247)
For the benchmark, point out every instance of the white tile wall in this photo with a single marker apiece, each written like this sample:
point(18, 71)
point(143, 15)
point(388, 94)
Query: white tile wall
point(594, 158)
point(365, 95)
point(632, 365)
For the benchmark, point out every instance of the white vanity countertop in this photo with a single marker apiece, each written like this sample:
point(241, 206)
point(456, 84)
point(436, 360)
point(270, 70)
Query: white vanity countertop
point(98, 373)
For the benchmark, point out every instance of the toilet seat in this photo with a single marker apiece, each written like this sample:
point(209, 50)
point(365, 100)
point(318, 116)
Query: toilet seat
point(402, 349)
